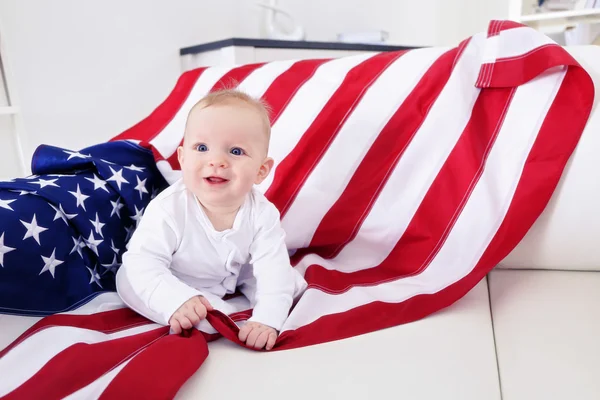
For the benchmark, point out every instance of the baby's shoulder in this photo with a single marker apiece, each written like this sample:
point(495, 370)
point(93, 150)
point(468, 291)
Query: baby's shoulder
point(263, 211)
point(171, 201)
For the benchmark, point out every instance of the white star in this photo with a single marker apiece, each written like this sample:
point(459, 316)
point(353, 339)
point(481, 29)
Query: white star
point(129, 232)
point(33, 229)
point(3, 250)
point(60, 213)
point(93, 243)
point(138, 216)
point(113, 266)
point(22, 192)
point(78, 245)
point(46, 182)
point(80, 198)
point(117, 177)
point(95, 277)
point(154, 193)
point(76, 154)
point(62, 175)
point(141, 186)
point(5, 204)
point(98, 225)
point(135, 168)
point(98, 183)
point(112, 246)
point(108, 162)
point(116, 207)
point(50, 263)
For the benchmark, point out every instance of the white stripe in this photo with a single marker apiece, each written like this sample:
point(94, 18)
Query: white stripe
point(167, 172)
point(514, 43)
point(103, 302)
point(168, 139)
point(477, 224)
point(331, 175)
point(416, 170)
point(23, 361)
point(305, 106)
point(257, 82)
point(95, 389)
point(15, 325)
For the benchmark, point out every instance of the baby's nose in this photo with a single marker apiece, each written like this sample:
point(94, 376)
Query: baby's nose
point(218, 162)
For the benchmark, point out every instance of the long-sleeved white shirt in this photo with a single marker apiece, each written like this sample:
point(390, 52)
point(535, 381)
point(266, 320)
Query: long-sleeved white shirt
point(175, 254)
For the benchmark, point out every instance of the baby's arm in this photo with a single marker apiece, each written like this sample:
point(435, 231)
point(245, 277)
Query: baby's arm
point(275, 281)
point(144, 280)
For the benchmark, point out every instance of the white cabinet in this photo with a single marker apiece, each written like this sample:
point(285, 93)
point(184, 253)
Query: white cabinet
point(238, 51)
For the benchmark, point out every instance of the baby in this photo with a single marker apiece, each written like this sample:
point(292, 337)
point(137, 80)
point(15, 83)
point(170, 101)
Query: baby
point(212, 231)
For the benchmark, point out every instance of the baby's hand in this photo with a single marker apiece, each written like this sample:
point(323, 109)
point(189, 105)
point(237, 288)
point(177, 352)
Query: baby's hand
point(257, 335)
point(189, 314)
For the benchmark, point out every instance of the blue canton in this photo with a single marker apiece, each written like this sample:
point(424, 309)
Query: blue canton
point(64, 229)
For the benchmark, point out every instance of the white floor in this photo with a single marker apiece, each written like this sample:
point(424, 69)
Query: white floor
point(547, 327)
point(449, 355)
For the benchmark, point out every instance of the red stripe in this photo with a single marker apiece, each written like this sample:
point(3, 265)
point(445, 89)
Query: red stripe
point(441, 206)
point(286, 85)
point(342, 221)
point(461, 48)
point(514, 71)
point(234, 77)
point(106, 322)
point(151, 126)
point(224, 325)
point(293, 171)
point(228, 81)
point(68, 371)
point(544, 166)
point(161, 369)
point(497, 26)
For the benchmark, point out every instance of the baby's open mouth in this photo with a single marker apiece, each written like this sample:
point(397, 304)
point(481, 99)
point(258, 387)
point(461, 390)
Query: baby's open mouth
point(215, 180)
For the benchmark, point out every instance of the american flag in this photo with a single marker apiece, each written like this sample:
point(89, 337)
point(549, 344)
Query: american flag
point(402, 179)
point(64, 229)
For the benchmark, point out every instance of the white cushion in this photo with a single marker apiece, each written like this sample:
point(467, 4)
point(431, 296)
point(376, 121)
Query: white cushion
point(449, 355)
point(566, 234)
point(547, 327)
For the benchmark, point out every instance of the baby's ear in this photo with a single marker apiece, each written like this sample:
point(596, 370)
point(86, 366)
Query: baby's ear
point(264, 170)
point(180, 156)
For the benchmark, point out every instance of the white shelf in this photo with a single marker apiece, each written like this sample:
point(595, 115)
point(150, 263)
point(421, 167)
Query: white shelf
point(8, 110)
point(575, 15)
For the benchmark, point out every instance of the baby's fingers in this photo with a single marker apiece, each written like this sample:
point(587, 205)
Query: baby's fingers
point(200, 311)
point(252, 337)
point(184, 321)
point(244, 332)
point(175, 326)
point(271, 341)
point(206, 303)
point(261, 340)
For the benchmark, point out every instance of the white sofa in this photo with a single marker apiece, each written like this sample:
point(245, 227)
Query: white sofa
point(531, 330)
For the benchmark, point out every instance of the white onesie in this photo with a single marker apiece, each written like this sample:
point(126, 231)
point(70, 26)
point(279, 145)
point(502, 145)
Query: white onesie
point(175, 254)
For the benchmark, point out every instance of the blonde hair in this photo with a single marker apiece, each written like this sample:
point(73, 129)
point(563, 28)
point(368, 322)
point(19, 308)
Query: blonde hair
point(232, 95)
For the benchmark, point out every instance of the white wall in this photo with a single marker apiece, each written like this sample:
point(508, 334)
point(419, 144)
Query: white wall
point(87, 70)
point(409, 22)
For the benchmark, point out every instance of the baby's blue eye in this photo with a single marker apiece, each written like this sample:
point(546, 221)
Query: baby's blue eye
point(201, 147)
point(236, 151)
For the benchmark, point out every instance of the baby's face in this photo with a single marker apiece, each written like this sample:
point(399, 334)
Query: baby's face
point(224, 154)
